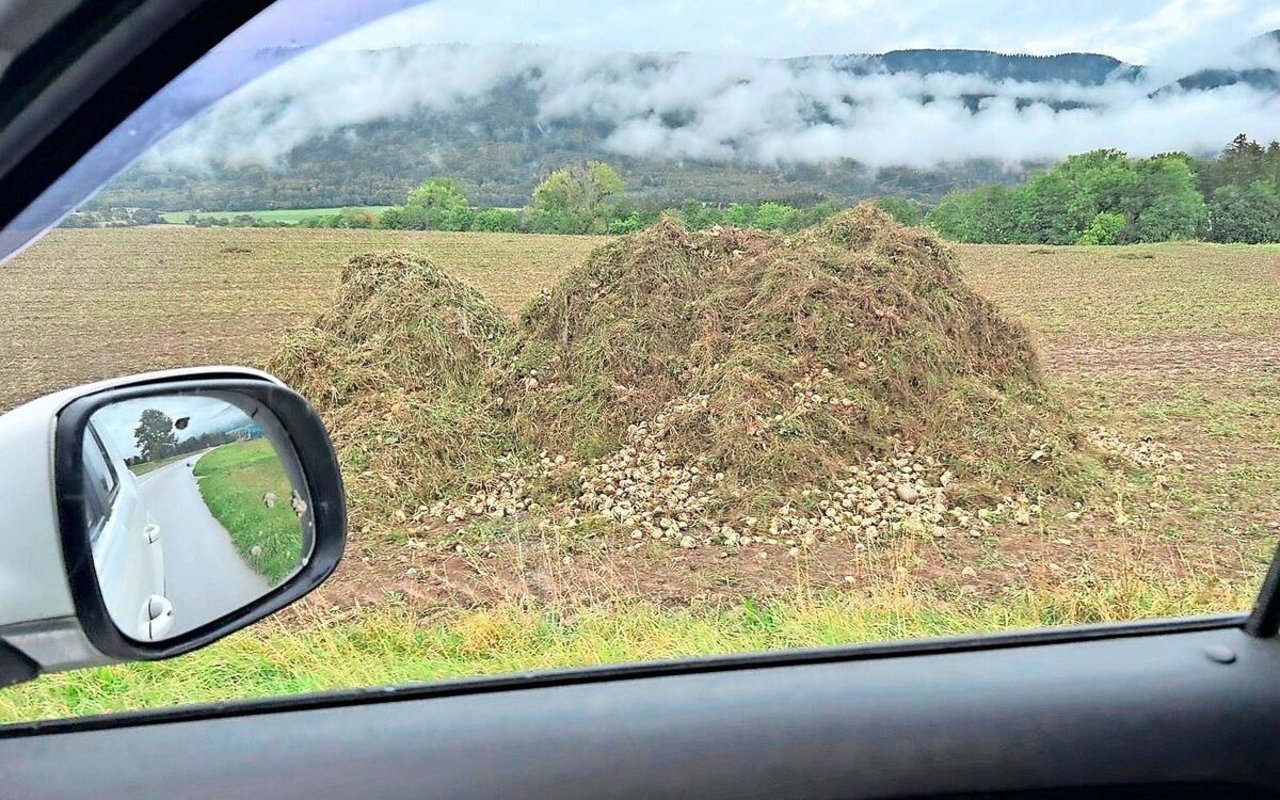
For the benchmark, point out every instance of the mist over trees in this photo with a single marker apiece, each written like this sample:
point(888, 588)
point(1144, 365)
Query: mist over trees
point(847, 127)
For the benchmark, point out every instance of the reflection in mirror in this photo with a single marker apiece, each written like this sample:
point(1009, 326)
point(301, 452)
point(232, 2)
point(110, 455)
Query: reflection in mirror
point(193, 511)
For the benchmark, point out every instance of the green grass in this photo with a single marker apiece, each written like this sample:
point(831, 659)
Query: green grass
point(392, 646)
point(233, 481)
point(289, 216)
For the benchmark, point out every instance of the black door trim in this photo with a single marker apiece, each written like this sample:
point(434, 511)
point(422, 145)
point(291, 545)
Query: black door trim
point(618, 672)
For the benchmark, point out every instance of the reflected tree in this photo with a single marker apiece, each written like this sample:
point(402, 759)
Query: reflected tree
point(154, 435)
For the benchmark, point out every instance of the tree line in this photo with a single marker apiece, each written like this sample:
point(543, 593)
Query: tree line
point(1105, 197)
point(113, 217)
point(155, 439)
point(586, 198)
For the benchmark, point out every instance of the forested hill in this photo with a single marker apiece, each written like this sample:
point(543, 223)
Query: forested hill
point(675, 125)
point(1085, 68)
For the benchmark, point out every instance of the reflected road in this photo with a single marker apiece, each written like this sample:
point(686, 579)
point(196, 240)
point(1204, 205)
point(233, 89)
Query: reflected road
point(204, 575)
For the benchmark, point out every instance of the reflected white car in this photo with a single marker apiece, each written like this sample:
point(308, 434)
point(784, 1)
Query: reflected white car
point(127, 551)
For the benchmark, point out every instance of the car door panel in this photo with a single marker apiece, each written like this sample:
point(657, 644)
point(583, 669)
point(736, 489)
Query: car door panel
point(1189, 712)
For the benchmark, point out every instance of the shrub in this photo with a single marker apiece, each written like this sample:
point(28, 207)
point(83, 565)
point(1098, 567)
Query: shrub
point(496, 220)
point(1104, 230)
point(773, 216)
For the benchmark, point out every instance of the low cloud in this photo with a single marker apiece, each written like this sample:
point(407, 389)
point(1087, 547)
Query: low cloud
point(732, 109)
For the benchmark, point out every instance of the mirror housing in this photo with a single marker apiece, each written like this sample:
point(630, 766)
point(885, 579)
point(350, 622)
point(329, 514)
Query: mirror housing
point(52, 607)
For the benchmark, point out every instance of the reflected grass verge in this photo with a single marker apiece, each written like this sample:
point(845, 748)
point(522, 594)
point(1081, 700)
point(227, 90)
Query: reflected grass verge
point(246, 489)
point(152, 466)
point(392, 645)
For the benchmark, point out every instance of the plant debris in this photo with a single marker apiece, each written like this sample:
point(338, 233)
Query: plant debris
point(698, 388)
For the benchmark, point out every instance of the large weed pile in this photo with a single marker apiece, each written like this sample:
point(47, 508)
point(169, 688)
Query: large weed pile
point(782, 360)
point(399, 368)
point(841, 379)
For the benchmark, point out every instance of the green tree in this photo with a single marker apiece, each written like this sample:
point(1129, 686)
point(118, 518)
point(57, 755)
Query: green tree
point(773, 216)
point(998, 215)
point(406, 218)
point(740, 215)
point(1103, 179)
point(955, 217)
point(441, 194)
point(903, 209)
point(582, 198)
point(1240, 163)
point(1248, 214)
point(1105, 229)
point(154, 435)
point(1051, 210)
point(699, 216)
point(819, 211)
point(352, 218)
point(497, 220)
point(1163, 201)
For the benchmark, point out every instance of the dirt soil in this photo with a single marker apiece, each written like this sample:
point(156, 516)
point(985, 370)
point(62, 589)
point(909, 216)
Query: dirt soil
point(1168, 353)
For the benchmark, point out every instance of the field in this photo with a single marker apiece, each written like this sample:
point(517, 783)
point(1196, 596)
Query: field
point(1170, 348)
point(289, 216)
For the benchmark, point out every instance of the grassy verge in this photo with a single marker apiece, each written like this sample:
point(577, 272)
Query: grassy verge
point(391, 646)
point(233, 480)
point(152, 466)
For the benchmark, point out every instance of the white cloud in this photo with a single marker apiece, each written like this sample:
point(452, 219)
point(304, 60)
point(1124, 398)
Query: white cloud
point(1134, 30)
point(739, 108)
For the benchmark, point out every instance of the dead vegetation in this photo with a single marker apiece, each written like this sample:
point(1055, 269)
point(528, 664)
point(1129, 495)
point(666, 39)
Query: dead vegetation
point(399, 367)
point(694, 388)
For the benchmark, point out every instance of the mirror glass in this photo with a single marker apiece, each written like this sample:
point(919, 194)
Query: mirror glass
point(194, 509)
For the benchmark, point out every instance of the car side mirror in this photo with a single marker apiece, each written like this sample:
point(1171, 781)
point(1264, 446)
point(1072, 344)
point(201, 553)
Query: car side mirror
point(153, 515)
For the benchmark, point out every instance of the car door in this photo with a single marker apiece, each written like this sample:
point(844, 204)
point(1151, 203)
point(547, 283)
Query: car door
point(1167, 709)
point(1181, 708)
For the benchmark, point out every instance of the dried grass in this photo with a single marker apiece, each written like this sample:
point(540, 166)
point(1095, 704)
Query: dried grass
point(775, 363)
point(399, 367)
point(804, 353)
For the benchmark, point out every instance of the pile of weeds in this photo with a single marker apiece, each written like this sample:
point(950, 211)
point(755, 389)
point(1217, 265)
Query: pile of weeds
point(773, 363)
point(399, 368)
point(784, 359)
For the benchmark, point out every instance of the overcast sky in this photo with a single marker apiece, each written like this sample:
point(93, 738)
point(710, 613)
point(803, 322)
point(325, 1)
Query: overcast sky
point(117, 422)
point(1136, 31)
